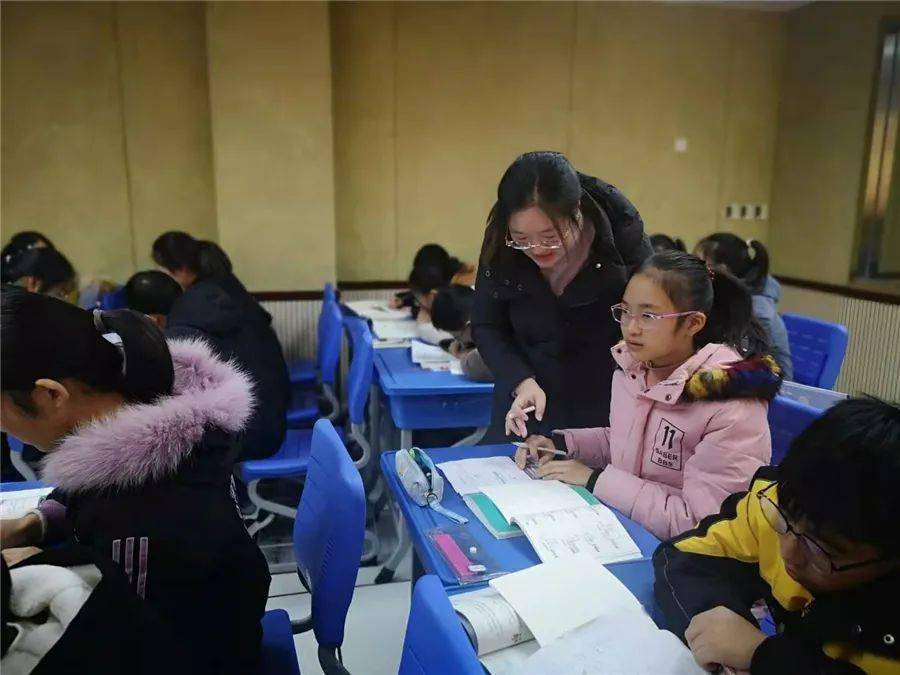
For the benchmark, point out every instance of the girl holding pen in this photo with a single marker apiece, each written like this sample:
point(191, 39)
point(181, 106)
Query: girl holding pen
point(688, 420)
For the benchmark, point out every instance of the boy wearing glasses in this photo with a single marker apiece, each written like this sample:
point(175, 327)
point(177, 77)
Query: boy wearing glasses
point(818, 538)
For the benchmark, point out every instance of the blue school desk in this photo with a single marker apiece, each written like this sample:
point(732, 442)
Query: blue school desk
point(11, 486)
point(422, 399)
point(511, 554)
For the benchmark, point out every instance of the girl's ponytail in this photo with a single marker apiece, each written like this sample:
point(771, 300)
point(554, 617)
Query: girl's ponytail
point(758, 269)
point(730, 319)
point(44, 337)
point(147, 371)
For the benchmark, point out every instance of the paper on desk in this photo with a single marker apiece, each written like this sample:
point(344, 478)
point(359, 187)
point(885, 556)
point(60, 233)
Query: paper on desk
point(594, 530)
point(474, 474)
point(535, 496)
point(394, 330)
point(556, 597)
point(378, 310)
point(16, 503)
point(511, 660)
point(626, 643)
point(491, 618)
point(425, 353)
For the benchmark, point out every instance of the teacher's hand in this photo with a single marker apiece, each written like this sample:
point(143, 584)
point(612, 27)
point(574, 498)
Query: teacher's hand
point(528, 395)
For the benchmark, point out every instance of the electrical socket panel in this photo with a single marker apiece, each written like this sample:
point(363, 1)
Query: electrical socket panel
point(738, 211)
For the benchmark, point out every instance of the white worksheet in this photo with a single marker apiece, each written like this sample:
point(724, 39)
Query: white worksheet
point(394, 330)
point(474, 474)
point(535, 496)
point(16, 503)
point(423, 353)
point(556, 597)
point(628, 643)
point(594, 530)
point(378, 310)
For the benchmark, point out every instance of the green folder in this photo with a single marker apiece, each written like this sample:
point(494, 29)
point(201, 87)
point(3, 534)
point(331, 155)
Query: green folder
point(493, 520)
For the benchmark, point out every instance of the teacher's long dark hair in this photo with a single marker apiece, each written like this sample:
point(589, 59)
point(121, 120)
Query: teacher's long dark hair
point(545, 179)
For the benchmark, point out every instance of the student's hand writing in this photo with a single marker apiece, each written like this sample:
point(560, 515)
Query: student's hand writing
point(530, 454)
point(17, 555)
point(528, 393)
point(456, 348)
point(569, 471)
point(720, 637)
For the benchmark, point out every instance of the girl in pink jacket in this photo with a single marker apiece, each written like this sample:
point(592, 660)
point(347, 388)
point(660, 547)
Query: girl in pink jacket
point(688, 420)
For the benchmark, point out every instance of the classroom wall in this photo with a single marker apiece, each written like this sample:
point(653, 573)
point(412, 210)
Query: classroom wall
point(105, 128)
point(123, 120)
point(270, 93)
point(830, 65)
point(433, 100)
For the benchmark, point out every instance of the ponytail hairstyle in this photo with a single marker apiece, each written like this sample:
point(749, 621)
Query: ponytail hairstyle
point(50, 267)
point(47, 338)
point(747, 260)
point(176, 251)
point(549, 181)
point(692, 285)
point(18, 244)
point(213, 262)
point(663, 242)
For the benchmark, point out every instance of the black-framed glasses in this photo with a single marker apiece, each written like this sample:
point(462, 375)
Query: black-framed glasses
point(778, 521)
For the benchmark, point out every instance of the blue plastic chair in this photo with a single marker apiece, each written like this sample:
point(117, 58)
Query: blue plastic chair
point(328, 541)
point(306, 371)
point(113, 300)
point(278, 655)
point(304, 408)
point(817, 349)
point(787, 419)
point(435, 640)
point(18, 461)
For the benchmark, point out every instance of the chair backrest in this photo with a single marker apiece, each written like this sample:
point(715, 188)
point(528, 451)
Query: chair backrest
point(787, 419)
point(330, 332)
point(277, 653)
point(362, 364)
point(435, 640)
point(817, 349)
point(329, 531)
point(328, 293)
point(113, 300)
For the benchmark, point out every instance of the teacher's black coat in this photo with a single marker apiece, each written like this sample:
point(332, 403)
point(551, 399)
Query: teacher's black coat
point(523, 330)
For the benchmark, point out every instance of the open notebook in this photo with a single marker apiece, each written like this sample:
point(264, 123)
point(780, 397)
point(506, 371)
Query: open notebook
point(558, 520)
point(569, 616)
point(16, 503)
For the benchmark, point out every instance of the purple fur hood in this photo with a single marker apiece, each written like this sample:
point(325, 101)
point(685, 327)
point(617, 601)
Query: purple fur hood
point(145, 442)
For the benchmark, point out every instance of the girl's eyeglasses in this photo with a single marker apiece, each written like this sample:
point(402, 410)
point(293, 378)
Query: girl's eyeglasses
point(645, 320)
point(551, 243)
point(818, 556)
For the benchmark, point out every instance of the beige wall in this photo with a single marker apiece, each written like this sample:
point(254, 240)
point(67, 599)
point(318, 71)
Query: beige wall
point(432, 103)
point(63, 151)
point(270, 93)
point(830, 65)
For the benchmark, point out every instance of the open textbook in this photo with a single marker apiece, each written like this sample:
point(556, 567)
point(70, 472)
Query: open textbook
point(569, 616)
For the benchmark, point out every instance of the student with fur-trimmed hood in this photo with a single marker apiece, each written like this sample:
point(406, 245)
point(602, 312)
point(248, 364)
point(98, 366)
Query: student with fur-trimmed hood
point(139, 440)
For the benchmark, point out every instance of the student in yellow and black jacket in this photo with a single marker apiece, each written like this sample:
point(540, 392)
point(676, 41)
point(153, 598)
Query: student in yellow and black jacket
point(818, 538)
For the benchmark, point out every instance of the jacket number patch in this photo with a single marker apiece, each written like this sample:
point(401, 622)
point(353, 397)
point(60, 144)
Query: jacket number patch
point(667, 446)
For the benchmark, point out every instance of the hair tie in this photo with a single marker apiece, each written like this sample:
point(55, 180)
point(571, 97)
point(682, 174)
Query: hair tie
point(112, 338)
point(710, 271)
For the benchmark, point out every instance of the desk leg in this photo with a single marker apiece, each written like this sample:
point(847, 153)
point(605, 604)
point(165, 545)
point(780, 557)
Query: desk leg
point(375, 421)
point(418, 571)
point(403, 545)
point(471, 439)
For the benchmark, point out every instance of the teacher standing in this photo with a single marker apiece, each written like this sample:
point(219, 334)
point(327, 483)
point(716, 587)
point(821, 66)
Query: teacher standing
point(558, 249)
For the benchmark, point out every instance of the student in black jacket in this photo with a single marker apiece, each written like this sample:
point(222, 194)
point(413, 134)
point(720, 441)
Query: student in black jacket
point(216, 306)
point(139, 443)
point(558, 249)
point(818, 539)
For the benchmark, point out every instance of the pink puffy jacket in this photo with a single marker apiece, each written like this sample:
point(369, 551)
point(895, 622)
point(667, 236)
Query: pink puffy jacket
point(673, 452)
